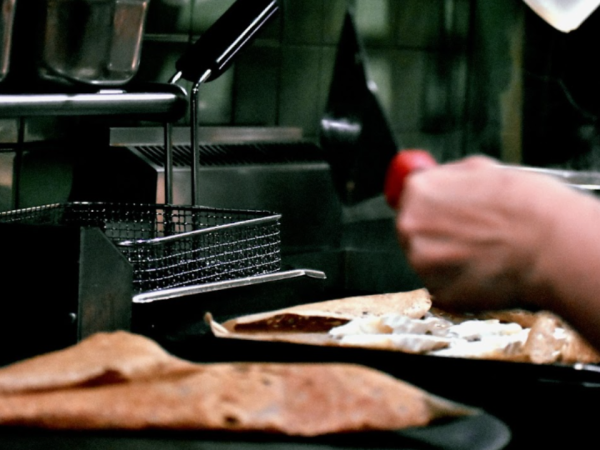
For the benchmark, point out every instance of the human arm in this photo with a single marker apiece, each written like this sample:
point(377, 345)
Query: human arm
point(485, 237)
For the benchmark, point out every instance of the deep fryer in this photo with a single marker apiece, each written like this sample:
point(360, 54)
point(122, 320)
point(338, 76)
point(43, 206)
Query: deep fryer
point(174, 246)
point(166, 246)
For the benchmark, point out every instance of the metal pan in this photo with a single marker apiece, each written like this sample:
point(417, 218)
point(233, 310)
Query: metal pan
point(95, 42)
point(73, 42)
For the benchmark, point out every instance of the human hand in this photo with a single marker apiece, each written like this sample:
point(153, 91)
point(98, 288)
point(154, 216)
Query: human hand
point(477, 233)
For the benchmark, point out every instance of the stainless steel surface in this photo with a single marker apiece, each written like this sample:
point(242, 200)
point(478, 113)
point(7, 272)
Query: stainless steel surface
point(134, 136)
point(168, 139)
point(207, 60)
point(194, 109)
point(168, 143)
point(288, 177)
point(216, 49)
point(6, 180)
point(7, 17)
point(585, 180)
point(256, 169)
point(166, 294)
point(268, 168)
point(95, 42)
point(148, 136)
point(171, 102)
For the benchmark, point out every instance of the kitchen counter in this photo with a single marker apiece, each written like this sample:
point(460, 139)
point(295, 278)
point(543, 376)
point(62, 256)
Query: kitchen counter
point(542, 405)
point(539, 406)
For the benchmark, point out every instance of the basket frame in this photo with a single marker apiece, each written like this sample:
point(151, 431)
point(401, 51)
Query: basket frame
point(180, 245)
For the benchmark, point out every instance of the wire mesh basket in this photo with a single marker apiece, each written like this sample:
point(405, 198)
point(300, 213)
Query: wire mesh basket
point(171, 246)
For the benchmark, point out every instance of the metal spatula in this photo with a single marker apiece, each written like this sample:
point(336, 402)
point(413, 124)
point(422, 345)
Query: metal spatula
point(354, 130)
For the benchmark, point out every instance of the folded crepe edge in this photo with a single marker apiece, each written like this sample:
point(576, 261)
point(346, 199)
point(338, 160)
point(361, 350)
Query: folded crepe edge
point(111, 406)
point(415, 304)
point(105, 406)
point(541, 347)
point(141, 359)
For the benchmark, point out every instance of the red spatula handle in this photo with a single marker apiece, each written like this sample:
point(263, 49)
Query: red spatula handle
point(402, 165)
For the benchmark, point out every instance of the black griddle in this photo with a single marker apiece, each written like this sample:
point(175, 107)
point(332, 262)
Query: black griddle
point(478, 432)
point(543, 405)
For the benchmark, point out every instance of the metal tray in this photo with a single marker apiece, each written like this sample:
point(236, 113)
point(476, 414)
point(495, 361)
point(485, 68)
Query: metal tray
point(545, 406)
point(173, 246)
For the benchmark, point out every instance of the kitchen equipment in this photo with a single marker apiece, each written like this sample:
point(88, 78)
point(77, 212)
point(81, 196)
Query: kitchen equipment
point(170, 246)
point(151, 102)
point(401, 166)
point(357, 137)
point(94, 41)
point(59, 285)
point(216, 49)
point(165, 294)
point(7, 18)
point(209, 57)
point(528, 397)
point(354, 130)
point(262, 168)
point(79, 43)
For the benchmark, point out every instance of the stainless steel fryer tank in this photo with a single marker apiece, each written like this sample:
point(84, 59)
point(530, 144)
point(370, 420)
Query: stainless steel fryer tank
point(266, 169)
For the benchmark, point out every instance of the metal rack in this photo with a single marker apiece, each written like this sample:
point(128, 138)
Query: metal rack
point(173, 246)
point(163, 103)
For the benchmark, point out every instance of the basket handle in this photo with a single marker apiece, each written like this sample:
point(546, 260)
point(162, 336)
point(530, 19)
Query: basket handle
point(219, 45)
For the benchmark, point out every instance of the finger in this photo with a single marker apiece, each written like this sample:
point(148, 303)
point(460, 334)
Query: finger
point(474, 162)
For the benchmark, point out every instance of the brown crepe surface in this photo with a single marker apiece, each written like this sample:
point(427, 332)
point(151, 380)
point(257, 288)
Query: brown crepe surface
point(322, 316)
point(100, 359)
point(295, 399)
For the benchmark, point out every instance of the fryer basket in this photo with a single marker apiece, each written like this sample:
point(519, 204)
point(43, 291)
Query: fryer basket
point(172, 246)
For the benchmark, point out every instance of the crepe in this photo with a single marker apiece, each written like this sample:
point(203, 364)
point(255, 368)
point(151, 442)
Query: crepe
point(550, 338)
point(171, 394)
point(294, 399)
point(102, 358)
point(407, 322)
point(322, 316)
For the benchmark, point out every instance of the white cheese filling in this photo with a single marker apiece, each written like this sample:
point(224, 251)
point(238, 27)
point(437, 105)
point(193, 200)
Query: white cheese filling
point(434, 335)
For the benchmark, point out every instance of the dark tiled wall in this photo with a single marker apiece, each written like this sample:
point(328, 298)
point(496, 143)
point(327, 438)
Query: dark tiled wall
point(416, 52)
point(447, 72)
